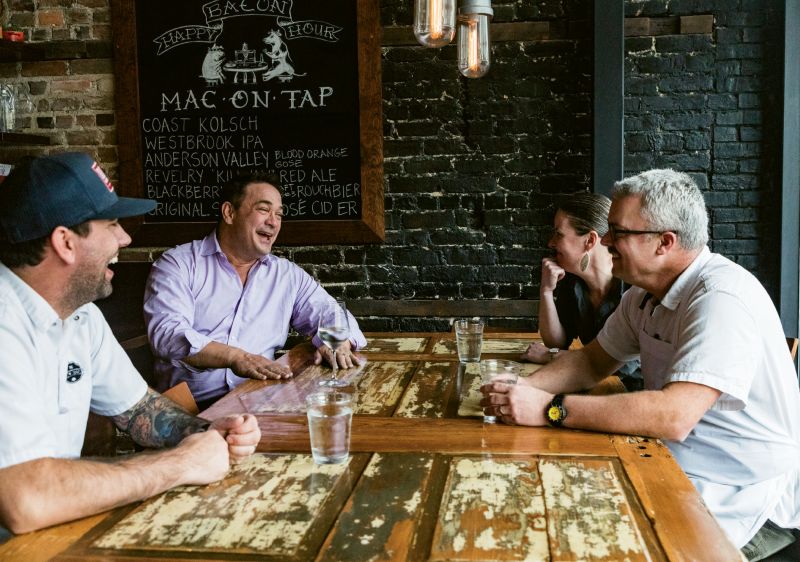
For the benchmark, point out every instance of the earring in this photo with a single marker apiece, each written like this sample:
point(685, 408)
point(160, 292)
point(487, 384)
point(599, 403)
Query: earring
point(584, 261)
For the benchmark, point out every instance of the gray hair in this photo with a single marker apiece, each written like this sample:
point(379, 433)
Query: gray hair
point(671, 201)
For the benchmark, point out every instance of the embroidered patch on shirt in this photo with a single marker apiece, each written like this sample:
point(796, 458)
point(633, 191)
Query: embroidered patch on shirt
point(74, 372)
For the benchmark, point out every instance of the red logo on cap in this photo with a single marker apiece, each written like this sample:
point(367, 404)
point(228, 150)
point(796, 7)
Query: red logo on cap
point(103, 177)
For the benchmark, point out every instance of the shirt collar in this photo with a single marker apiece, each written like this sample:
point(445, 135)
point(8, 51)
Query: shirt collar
point(38, 309)
point(676, 292)
point(209, 246)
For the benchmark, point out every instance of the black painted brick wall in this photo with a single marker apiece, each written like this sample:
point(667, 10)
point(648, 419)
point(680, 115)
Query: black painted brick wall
point(472, 166)
point(711, 105)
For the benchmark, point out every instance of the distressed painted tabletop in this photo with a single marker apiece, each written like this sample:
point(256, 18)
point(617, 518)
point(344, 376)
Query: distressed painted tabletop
point(426, 480)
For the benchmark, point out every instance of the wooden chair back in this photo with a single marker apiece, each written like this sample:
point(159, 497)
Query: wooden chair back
point(182, 396)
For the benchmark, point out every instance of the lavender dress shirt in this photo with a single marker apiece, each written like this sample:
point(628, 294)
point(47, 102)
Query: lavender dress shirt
point(194, 296)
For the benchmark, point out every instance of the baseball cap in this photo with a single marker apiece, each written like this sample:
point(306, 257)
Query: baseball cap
point(59, 190)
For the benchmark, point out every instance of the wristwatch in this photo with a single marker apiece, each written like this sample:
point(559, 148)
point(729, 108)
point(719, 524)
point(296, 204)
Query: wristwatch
point(556, 413)
point(553, 352)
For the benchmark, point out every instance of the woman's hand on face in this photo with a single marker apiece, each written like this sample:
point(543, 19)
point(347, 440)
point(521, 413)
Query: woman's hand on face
point(552, 273)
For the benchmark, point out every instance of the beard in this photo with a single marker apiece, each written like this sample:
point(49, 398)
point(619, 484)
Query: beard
point(84, 287)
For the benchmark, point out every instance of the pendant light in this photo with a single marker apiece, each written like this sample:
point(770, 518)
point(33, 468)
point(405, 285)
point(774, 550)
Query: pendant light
point(474, 48)
point(434, 22)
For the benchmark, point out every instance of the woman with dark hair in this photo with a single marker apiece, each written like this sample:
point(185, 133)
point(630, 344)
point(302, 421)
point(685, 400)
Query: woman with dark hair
point(577, 291)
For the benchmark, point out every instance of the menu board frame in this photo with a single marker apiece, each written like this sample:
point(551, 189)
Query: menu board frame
point(369, 228)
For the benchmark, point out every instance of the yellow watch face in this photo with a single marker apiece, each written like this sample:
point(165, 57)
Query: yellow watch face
point(554, 413)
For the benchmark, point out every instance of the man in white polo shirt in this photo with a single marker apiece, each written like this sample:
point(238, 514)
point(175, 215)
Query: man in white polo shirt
point(58, 358)
point(720, 386)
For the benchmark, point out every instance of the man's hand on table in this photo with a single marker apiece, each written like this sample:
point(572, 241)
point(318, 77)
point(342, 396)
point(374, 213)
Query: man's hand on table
point(519, 404)
point(345, 356)
point(205, 458)
point(254, 366)
point(241, 432)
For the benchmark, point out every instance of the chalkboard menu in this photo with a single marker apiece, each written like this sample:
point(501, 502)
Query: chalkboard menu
point(208, 89)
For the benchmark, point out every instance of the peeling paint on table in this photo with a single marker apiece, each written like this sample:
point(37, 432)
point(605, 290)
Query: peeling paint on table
point(492, 509)
point(589, 516)
point(396, 345)
point(379, 521)
point(266, 505)
point(490, 345)
point(377, 385)
point(423, 397)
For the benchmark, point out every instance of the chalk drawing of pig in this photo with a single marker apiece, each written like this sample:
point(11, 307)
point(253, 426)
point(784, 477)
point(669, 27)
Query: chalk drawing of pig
point(212, 66)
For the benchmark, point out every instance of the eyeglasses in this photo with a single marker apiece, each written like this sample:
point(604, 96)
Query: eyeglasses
point(617, 233)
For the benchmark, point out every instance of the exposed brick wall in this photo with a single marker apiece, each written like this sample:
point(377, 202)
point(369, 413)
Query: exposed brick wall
point(472, 167)
point(711, 105)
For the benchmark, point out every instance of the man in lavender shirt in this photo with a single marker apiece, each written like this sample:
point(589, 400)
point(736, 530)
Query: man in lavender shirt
point(217, 309)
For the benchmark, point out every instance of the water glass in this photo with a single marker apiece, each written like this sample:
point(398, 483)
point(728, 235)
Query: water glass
point(469, 338)
point(330, 415)
point(334, 329)
point(501, 371)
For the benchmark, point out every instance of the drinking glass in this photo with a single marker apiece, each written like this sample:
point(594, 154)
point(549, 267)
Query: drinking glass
point(469, 338)
point(334, 329)
point(330, 415)
point(498, 370)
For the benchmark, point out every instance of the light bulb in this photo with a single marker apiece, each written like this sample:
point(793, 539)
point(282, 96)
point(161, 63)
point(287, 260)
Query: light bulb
point(474, 48)
point(434, 22)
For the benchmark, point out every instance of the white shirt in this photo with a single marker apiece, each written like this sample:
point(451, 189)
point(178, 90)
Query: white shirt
point(52, 372)
point(718, 327)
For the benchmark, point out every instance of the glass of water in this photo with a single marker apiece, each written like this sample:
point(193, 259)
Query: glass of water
point(498, 371)
point(334, 329)
point(330, 416)
point(469, 339)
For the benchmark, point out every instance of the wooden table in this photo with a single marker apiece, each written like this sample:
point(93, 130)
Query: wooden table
point(427, 480)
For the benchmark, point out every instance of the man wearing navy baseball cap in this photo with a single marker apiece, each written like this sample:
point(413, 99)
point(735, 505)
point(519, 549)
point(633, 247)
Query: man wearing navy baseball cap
point(59, 359)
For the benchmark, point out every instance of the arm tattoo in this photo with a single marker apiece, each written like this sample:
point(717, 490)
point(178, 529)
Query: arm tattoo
point(155, 421)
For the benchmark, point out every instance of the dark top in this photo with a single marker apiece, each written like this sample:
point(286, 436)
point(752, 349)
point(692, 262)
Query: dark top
point(580, 319)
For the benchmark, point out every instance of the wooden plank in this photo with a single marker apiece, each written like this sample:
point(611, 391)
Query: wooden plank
point(426, 395)
point(400, 344)
point(47, 543)
point(665, 26)
point(491, 509)
point(523, 31)
point(277, 507)
point(490, 345)
point(637, 26)
point(456, 308)
point(382, 517)
point(671, 25)
point(589, 516)
point(401, 435)
point(697, 24)
point(689, 533)
point(377, 385)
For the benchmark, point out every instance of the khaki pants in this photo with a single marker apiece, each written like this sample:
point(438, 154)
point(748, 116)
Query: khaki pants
point(767, 541)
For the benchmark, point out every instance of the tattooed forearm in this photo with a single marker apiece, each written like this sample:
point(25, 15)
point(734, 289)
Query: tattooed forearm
point(155, 421)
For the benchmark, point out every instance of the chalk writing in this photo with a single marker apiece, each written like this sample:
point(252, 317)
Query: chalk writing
point(228, 86)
